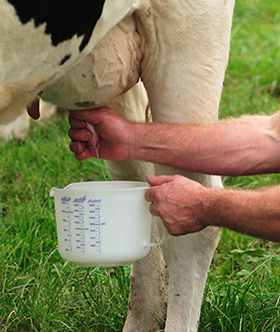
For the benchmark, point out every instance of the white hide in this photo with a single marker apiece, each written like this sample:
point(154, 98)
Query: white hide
point(179, 49)
point(111, 68)
point(28, 60)
point(18, 128)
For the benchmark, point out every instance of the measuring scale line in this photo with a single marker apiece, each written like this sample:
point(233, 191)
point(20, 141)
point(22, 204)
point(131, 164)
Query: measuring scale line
point(95, 223)
point(67, 230)
point(79, 220)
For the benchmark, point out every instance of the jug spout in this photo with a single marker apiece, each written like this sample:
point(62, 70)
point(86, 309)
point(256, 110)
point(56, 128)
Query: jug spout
point(52, 192)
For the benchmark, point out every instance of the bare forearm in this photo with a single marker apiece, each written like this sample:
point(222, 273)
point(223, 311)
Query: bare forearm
point(186, 206)
point(255, 213)
point(245, 146)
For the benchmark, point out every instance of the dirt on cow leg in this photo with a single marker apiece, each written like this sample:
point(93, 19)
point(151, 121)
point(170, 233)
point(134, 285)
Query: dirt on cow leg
point(148, 294)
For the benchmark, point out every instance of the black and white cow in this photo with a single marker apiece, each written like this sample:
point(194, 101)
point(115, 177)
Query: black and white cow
point(88, 53)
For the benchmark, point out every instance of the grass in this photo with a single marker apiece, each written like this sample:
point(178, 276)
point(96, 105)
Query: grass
point(39, 291)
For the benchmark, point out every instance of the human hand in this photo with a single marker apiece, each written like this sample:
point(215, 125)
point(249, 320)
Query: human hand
point(178, 201)
point(100, 133)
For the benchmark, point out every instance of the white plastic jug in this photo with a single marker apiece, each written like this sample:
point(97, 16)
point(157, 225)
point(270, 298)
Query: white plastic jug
point(103, 223)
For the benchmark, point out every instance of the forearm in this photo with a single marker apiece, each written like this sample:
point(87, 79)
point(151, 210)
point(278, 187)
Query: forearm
point(249, 145)
point(255, 213)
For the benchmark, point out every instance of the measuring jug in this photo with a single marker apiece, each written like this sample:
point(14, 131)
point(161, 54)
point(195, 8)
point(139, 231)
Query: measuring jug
point(103, 223)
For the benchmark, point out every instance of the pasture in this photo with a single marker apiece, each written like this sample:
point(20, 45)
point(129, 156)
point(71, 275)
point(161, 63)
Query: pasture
point(39, 291)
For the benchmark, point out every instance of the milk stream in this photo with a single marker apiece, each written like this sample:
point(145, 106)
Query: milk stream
point(100, 164)
point(91, 142)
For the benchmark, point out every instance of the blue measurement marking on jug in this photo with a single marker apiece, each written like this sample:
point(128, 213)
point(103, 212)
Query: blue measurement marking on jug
point(79, 226)
point(95, 223)
point(82, 224)
point(67, 225)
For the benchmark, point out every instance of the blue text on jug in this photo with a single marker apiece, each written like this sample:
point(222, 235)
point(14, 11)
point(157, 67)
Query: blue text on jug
point(80, 199)
point(94, 200)
point(65, 199)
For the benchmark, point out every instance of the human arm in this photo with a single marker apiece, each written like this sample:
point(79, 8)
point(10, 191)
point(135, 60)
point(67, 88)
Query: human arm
point(243, 146)
point(185, 207)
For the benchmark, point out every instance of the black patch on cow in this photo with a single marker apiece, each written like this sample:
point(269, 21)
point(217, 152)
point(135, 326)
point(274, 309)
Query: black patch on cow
point(67, 57)
point(64, 18)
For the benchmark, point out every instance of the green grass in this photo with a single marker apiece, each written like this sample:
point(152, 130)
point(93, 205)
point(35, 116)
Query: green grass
point(39, 291)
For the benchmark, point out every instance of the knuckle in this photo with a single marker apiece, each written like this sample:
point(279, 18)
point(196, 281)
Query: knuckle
point(173, 232)
point(157, 195)
point(172, 228)
point(151, 209)
point(159, 211)
point(177, 177)
point(72, 146)
point(148, 195)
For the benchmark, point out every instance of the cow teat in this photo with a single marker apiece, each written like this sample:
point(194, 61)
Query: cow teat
point(33, 109)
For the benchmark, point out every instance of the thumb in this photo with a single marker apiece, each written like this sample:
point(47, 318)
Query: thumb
point(94, 137)
point(93, 116)
point(158, 180)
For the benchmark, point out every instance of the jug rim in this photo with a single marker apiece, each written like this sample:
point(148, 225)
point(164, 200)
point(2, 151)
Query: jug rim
point(106, 186)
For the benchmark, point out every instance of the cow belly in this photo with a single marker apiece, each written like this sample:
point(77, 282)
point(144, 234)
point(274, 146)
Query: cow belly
point(110, 69)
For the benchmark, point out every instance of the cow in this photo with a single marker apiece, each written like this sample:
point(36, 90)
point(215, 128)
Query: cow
point(168, 55)
point(18, 127)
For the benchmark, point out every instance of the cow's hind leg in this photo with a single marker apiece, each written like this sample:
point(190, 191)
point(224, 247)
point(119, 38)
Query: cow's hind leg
point(184, 82)
point(188, 259)
point(148, 280)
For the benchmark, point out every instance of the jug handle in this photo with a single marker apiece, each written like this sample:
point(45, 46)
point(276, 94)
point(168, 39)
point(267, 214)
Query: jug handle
point(164, 239)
